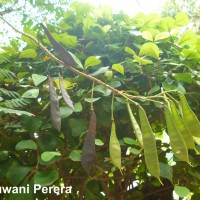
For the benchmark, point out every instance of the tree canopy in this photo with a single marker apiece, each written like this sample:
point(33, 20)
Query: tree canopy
point(122, 122)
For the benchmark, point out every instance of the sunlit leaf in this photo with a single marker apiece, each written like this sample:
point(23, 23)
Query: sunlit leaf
point(150, 49)
point(28, 53)
point(119, 68)
point(91, 61)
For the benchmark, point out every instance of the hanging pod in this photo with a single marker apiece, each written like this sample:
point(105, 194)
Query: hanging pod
point(149, 142)
point(54, 103)
point(135, 126)
point(181, 127)
point(176, 140)
point(65, 95)
point(88, 150)
point(114, 147)
point(59, 49)
point(189, 117)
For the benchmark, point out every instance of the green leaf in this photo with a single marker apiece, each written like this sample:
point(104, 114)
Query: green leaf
point(101, 70)
point(130, 51)
point(150, 49)
point(181, 19)
point(119, 68)
point(78, 107)
point(17, 173)
point(189, 37)
point(17, 112)
point(4, 155)
point(99, 142)
point(166, 171)
point(68, 40)
point(134, 151)
point(129, 141)
point(37, 79)
point(162, 35)
point(65, 112)
point(32, 124)
point(75, 155)
point(26, 144)
point(32, 93)
point(170, 84)
point(46, 177)
point(78, 126)
point(147, 35)
point(90, 100)
point(181, 191)
point(48, 155)
point(91, 61)
point(167, 24)
point(103, 90)
point(77, 61)
point(89, 195)
point(142, 60)
point(185, 77)
point(154, 89)
point(28, 53)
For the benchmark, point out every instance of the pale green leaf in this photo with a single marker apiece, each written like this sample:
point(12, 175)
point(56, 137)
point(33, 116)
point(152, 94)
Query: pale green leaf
point(17, 112)
point(119, 68)
point(28, 53)
point(91, 61)
point(91, 100)
point(147, 35)
point(130, 51)
point(32, 93)
point(99, 142)
point(150, 49)
point(142, 60)
point(189, 37)
point(48, 155)
point(181, 191)
point(75, 155)
point(181, 19)
point(37, 79)
point(77, 61)
point(162, 35)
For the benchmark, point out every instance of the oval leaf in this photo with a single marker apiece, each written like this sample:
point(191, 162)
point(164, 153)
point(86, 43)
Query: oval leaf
point(46, 177)
point(28, 53)
point(32, 93)
point(37, 79)
point(119, 68)
point(91, 61)
point(150, 49)
point(48, 155)
point(26, 144)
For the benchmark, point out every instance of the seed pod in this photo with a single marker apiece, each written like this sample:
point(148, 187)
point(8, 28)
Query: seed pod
point(88, 150)
point(135, 126)
point(65, 95)
point(149, 142)
point(181, 127)
point(176, 141)
point(189, 117)
point(54, 103)
point(60, 50)
point(114, 147)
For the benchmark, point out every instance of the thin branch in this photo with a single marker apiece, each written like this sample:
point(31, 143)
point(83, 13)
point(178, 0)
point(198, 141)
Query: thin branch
point(115, 91)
